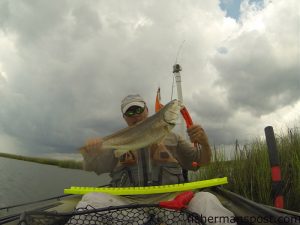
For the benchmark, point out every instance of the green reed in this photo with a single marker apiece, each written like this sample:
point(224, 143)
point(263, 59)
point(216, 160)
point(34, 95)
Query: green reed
point(249, 172)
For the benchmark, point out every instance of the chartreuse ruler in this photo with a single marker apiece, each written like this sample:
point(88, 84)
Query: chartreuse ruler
point(148, 189)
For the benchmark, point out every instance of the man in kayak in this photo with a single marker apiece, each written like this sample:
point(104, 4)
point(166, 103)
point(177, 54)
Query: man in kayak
point(158, 164)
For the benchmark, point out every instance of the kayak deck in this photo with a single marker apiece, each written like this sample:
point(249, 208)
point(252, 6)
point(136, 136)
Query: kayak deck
point(245, 210)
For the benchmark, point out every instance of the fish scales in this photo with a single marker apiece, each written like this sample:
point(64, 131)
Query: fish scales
point(151, 130)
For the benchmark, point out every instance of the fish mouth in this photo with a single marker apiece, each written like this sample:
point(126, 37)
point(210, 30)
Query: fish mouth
point(172, 113)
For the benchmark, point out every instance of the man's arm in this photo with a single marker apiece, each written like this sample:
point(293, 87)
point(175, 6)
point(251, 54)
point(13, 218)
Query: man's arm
point(96, 159)
point(197, 135)
point(187, 153)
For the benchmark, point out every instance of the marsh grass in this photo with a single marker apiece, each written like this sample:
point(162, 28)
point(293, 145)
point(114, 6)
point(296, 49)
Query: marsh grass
point(70, 164)
point(249, 172)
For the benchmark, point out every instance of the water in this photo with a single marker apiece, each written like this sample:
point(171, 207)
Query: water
point(22, 181)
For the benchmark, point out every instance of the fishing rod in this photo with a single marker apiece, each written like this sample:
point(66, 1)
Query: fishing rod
point(33, 202)
point(185, 114)
point(177, 76)
point(176, 71)
point(42, 200)
point(16, 216)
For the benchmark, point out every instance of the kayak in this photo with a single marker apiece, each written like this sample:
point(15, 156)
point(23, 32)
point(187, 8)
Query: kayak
point(60, 210)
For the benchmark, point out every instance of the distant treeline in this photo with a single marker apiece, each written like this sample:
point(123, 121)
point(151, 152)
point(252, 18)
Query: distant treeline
point(71, 164)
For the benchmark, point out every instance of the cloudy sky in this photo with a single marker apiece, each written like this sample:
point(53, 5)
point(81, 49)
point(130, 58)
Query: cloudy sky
point(66, 65)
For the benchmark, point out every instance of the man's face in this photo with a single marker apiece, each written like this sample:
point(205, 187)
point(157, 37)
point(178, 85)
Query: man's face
point(132, 120)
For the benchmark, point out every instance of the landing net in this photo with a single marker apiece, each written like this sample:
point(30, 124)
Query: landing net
point(148, 214)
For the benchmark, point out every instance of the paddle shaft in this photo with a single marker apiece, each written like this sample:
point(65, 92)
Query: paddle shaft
point(275, 168)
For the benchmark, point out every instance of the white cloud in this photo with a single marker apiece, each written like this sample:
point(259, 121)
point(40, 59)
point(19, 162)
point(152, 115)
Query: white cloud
point(261, 70)
point(68, 65)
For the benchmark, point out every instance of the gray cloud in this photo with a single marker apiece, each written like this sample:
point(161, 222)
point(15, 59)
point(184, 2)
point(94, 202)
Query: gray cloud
point(211, 106)
point(2, 79)
point(31, 21)
point(254, 78)
point(68, 65)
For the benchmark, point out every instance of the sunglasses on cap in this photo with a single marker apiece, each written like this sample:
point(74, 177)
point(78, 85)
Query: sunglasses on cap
point(134, 110)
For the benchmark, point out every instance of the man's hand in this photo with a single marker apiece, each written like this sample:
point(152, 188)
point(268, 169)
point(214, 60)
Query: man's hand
point(197, 135)
point(92, 146)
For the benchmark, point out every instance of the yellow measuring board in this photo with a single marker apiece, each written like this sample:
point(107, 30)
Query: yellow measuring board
point(148, 189)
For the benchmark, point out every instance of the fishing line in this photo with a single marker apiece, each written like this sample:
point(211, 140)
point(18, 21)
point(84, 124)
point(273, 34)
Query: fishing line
point(179, 49)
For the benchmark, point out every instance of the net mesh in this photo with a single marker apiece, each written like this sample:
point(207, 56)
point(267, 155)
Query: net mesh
point(120, 216)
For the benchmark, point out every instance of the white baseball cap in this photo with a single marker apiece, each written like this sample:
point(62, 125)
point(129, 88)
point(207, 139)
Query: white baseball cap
point(132, 100)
